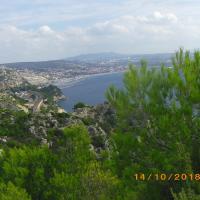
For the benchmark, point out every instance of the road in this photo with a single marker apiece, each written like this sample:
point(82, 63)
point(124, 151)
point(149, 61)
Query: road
point(38, 102)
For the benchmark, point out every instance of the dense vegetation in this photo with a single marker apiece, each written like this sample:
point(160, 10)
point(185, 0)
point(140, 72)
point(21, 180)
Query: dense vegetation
point(157, 131)
point(159, 126)
point(67, 169)
point(50, 91)
point(12, 123)
point(79, 105)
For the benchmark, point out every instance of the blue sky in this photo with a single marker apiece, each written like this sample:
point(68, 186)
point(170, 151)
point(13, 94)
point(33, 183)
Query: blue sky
point(32, 30)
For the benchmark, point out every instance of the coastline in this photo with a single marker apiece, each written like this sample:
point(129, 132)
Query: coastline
point(89, 90)
point(68, 82)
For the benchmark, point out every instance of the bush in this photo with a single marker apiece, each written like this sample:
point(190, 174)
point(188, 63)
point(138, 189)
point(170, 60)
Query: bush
point(79, 105)
point(11, 192)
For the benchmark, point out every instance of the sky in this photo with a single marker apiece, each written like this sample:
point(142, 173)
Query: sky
point(33, 30)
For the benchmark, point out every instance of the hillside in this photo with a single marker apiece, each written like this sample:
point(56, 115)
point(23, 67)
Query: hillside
point(142, 144)
point(10, 78)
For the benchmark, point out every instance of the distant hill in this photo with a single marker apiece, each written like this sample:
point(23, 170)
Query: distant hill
point(36, 65)
point(97, 59)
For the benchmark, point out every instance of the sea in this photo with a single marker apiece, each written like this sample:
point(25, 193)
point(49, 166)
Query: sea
point(90, 90)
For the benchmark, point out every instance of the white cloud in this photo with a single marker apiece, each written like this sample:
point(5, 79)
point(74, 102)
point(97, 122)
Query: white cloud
point(45, 29)
point(156, 23)
point(170, 17)
point(158, 15)
point(127, 34)
point(41, 44)
point(108, 27)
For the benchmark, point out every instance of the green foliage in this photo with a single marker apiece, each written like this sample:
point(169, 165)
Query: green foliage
point(11, 192)
point(67, 169)
point(12, 123)
point(99, 184)
point(28, 168)
point(79, 105)
point(185, 195)
point(88, 121)
point(49, 92)
point(92, 183)
point(158, 115)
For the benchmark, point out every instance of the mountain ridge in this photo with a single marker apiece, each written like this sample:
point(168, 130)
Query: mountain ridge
point(91, 59)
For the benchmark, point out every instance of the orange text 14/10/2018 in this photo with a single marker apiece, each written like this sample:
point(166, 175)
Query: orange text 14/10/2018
point(167, 177)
